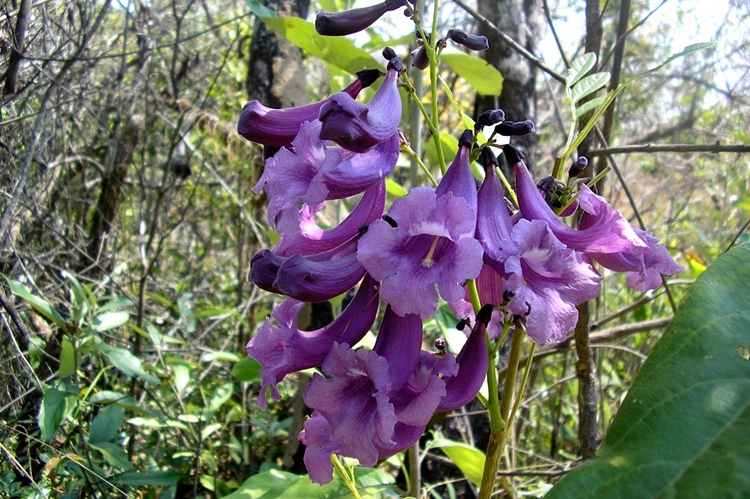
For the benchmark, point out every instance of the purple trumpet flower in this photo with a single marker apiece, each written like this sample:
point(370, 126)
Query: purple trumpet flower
point(315, 172)
point(545, 279)
point(312, 278)
point(491, 288)
point(353, 20)
point(278, 127)
point(373, 403)
point(285, 349)
point(431, 244)
point(301, 234)
point(358, 127)
point(459, 179)
point(611, 233)
point(644, 269)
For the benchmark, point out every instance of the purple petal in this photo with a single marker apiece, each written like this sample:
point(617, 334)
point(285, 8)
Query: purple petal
point(301, 234)
point(352, 21)
point(459, 179)
point(278, 127)
point(357, 127)
point(432, 245)
point(494, 226)
point(491, 287)
point(316, 436)
point(609, 234)
point(472, 363)
point(285, 349)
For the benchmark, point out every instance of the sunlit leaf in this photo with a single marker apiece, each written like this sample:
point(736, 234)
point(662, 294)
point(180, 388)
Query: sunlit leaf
point(109, 320)
point(579, 67)
point(39, 304)
point(589, 106)
point(478, 73)
point(393, 189)
point(67, 359)
point(468, 459)
point(259, 9)
point(335, 50)
point(588, 86)
point(125, 361)
point(683, 429)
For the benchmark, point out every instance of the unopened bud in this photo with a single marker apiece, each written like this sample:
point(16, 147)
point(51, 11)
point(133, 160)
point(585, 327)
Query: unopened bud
point(515, 128)
point(490, 117)
point(353, 20)
point(419, 58)
point(580, 164)
point(396, 64)
point(471, 42)
point(389, 53)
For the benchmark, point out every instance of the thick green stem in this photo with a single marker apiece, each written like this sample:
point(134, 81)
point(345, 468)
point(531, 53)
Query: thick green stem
point(348, 480)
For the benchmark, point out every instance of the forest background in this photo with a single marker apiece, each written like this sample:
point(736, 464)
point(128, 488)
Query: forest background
point(127, 226)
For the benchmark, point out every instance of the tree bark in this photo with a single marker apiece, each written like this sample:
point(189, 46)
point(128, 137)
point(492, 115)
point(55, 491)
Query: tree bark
point(522, 20)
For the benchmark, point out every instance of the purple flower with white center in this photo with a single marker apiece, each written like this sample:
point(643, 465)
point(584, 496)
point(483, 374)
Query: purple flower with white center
point(285, 349)
point(644, 269)
point(315, 172)
point(358, 127)
point(301, 234)
point(353, 20)
point(313, 278)
point(367, 394)
point(611, 233)
point(278, 127)
point(432, 244)
point(547, 279)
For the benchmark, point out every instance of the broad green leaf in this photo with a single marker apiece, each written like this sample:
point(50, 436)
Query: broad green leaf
point(335, 50)
point(124, 302)
point(125, 361)
point(221, 395)
point(465, 118)
point(221, 357)
point(109, 320)
point(157, 423)
point(114, 455)
point(371, 483)
point(579, 67)
point(259, 9)
point(247, 369)
point(56, 406)
point(181, 377)
point(105, 425)
point(393, 189)
point(468, 459)
point(588, 86)
point(149, 478)
point(683, 428)
point(589, 106)
point(39, 304)
point(478, 73)
point(67, 359)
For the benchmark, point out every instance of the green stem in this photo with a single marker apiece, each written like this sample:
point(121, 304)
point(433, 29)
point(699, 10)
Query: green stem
point(348, 481)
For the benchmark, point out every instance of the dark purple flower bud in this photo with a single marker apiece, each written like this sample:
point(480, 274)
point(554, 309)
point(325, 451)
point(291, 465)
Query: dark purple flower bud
point(466, 139)
point(549, 187)
point(368, 76)
point(389, 53)
point(490, 117)
point(580, 164)
point(513, 154)
point(419, 58)
point(488, 158)
point(353, 20)
point(471, 42)
point(515, 128)
point(396, 64)
point(440, 344)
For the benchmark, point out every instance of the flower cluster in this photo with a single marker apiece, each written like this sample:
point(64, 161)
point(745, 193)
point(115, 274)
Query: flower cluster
point(528, 265)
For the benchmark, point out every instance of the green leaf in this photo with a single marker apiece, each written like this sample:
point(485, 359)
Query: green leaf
point(105, 425)
point(393, 189)
point(181, 377)
point(109, 320)
point(275, 483)
point(247, 369)
point(335, 50)
point(683, 429)
point(114, 455)
point(686, 51)
point(157, 423)
point(221, 395)
point(468, 459)
point(589, 106)
point(67, 359)
point(588, 85)
point(150, 478)
point(221, 357)
point(478, 73)
point(579, 67)
point(125, 361)
point(56, 406)
point(39, 304)
point(119, 399)
point(259, 9)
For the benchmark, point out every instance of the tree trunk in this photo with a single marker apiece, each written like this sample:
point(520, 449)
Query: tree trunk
point(522, 20)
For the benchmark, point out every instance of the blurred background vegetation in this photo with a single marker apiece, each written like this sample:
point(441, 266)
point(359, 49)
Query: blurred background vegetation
point(127, 225)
